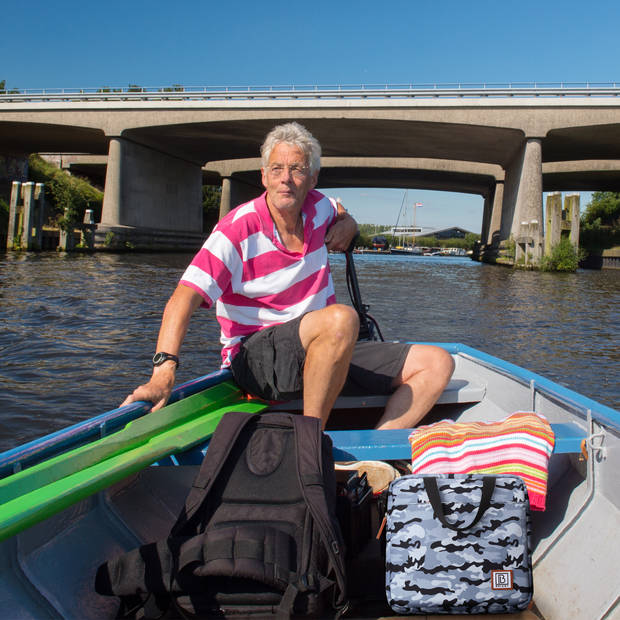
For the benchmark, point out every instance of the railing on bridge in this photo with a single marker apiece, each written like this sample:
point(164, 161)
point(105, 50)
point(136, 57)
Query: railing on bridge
point(364, 91)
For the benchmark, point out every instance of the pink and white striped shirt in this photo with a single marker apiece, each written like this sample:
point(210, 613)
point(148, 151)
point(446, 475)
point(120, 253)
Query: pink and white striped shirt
point(254, 280)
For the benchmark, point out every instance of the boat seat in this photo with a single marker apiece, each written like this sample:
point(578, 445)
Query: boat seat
point(386, 445)
point(457, 391)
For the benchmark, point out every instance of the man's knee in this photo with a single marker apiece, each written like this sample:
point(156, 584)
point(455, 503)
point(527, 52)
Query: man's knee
point(438, 363)
point(341, 318)
point(337, 323)
point(443, 363)
point(342, 326)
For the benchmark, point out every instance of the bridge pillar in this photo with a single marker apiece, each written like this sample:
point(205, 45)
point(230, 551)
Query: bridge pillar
point(225, 202)
point(522, 203)
point(235, 192)
point(492, 220)
point(151, 198)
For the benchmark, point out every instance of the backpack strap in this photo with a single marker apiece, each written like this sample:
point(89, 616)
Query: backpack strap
point(261, 553)
point(310, 443)
point(148, 568)
point(224, 438)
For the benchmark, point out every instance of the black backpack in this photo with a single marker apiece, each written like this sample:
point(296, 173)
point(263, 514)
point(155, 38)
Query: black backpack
point(258, 535)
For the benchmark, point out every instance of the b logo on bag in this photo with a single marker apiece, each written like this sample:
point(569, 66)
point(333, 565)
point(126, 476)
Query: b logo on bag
point(501, 579)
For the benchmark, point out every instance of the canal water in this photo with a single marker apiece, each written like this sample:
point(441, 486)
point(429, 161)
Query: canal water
point(77, 331)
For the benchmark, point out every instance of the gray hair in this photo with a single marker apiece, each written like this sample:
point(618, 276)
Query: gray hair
point(295, 135)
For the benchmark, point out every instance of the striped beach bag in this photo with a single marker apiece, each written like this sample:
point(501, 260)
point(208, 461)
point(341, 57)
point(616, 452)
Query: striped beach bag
point(519, 445)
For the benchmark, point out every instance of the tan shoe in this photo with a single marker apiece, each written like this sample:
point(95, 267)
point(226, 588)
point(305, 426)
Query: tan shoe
point(379, 473)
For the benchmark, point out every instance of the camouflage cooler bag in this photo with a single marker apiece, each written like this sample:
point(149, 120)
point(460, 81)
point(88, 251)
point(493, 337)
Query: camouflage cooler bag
point(458, 544)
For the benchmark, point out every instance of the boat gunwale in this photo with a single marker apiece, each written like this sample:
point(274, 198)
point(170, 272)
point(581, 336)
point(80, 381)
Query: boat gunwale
point(601, 413)
point(99, 426)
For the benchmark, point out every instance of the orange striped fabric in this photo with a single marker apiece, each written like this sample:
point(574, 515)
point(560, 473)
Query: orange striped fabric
point(520, 444)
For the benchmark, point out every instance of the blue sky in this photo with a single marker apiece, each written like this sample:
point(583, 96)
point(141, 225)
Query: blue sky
point(72, 44)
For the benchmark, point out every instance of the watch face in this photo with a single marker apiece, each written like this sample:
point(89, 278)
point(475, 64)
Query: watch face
point(160, 358)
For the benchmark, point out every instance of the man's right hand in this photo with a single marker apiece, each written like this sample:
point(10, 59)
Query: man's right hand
point(177, 314)
point(158, 389)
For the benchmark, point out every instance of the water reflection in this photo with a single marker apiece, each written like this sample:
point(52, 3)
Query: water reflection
point(77, 332)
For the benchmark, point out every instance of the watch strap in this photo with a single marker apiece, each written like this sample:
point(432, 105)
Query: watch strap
point(161, 356)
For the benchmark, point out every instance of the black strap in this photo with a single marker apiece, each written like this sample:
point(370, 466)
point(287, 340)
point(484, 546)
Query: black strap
point(287, 603)
point(222, 442)
point(430, 484)
point(261, 553)
point(310, 442)
point(369, 328)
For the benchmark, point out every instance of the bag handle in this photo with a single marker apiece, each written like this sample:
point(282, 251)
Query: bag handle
point(430, 484)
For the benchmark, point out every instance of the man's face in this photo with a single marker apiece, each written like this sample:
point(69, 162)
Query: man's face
point(287, 177)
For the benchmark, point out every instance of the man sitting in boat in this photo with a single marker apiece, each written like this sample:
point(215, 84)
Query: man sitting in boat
point(265, 266)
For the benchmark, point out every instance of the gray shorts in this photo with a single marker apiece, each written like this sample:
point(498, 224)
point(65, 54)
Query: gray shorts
point(270, 364)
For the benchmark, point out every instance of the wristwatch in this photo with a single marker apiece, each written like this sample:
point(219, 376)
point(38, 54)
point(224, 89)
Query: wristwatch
point(161, 357)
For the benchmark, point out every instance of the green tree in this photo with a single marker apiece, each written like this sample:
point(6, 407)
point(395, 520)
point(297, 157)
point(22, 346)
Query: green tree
point(4, 215)
point(564, 257)
point(211, 199)
point(600, 223)
point(364, 240)
point(604, 206)
point(470, 240)
point(372, 229)
point(69, 196)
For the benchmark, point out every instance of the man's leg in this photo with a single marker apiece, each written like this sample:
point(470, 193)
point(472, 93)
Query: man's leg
point(424, 375)
point(328, 337)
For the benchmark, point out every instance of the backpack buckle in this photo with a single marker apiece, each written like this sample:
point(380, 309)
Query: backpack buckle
point(308, 583)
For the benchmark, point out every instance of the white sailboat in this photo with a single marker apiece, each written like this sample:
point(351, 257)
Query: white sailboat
point(403, 247)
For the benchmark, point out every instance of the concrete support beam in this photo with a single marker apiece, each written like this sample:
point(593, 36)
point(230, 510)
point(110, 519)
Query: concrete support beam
point(38, 217)
point(528, 247)
point(236, 192)
point(553, 222)
point(26, 214)
point(486, 217)
point(571, 206)
point(561, 220)
point(492, 217)
point(147, 189)
point(225, 202)
point(12, 231)
point(522, 212)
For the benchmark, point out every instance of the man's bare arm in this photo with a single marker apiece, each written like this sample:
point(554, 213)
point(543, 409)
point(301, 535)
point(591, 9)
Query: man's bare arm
point(342, 231)
point(178, 312)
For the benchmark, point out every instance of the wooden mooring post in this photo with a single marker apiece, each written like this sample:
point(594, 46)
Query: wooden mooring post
point(26, 215)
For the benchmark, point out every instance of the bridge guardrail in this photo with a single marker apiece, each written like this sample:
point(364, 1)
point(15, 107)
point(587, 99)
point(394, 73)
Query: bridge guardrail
point(411, 91)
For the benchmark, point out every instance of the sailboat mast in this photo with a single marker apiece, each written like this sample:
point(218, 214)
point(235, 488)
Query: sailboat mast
point(402, 205)
point(415, 206)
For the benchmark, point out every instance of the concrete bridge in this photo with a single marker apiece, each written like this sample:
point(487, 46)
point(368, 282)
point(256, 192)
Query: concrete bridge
point(505, 144)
